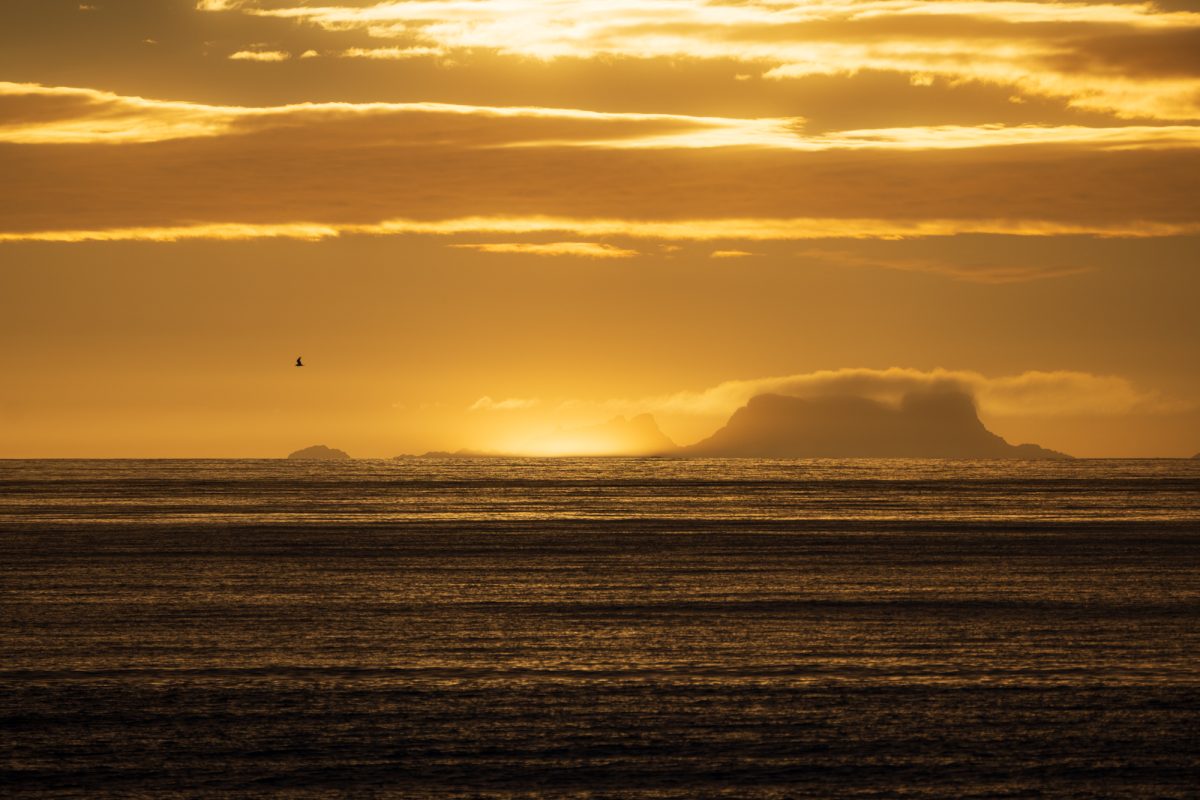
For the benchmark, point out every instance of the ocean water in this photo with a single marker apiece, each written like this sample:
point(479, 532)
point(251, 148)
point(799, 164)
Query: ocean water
point(600, 628)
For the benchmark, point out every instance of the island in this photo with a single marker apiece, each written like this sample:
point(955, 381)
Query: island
point(939, 423)
point(319, 452)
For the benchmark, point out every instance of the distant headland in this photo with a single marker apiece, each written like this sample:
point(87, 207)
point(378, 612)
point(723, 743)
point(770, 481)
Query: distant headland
point(319, 452)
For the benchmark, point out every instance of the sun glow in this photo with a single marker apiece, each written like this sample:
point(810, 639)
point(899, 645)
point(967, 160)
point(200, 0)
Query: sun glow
point(568, 444)
point(542, 438)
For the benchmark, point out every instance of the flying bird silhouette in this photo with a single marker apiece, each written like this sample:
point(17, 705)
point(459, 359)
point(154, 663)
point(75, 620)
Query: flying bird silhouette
point(299, 363)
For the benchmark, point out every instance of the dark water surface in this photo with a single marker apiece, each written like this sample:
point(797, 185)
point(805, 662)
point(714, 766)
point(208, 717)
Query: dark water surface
point(600, 628)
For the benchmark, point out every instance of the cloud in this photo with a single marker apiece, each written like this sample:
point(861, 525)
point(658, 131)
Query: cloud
point(46, 114)
point(260, 55)
point(89, 115)
point(1127, 59)
point(105, 117)
point(583, 249)
point(389, 53)
point(59, 115)
point(979, 272)
point(701, 230)
point(729, 254)
point(82, 164)
point(229, 231)
point(1029, 394)
point(510, 404)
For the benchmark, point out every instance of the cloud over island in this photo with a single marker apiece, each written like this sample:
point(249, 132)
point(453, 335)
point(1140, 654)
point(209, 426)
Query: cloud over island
point(1028, 394)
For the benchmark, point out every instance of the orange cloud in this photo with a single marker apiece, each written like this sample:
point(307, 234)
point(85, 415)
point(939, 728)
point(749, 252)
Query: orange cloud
point(1077, 51)
point(82, 115)
point(389, 53)
point(979, 272)
point(797, 229)
point(87, 165)
point(260, 55)
point(580, 249)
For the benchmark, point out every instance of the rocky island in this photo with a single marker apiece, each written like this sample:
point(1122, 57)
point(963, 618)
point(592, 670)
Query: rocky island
point(319, 452)
point(925, 424)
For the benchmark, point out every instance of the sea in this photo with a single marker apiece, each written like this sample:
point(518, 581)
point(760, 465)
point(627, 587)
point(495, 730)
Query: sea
point(600, 628)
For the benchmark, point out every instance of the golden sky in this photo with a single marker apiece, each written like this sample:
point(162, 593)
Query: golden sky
point(486, 223)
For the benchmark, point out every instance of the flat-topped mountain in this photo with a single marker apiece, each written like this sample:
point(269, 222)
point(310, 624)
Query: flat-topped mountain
point(319, 452)
point(928, 424)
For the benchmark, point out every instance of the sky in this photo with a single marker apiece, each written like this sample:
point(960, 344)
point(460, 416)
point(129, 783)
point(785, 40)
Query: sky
point(486, 224)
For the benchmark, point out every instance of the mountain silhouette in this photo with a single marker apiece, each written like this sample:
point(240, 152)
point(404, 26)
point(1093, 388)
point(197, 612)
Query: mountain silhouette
point(936, 423)
point(319, 452)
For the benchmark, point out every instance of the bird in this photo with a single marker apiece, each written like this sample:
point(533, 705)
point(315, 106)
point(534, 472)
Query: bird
point(299, 363)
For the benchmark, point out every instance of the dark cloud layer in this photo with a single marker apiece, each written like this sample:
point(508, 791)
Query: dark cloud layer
point(366, 170)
